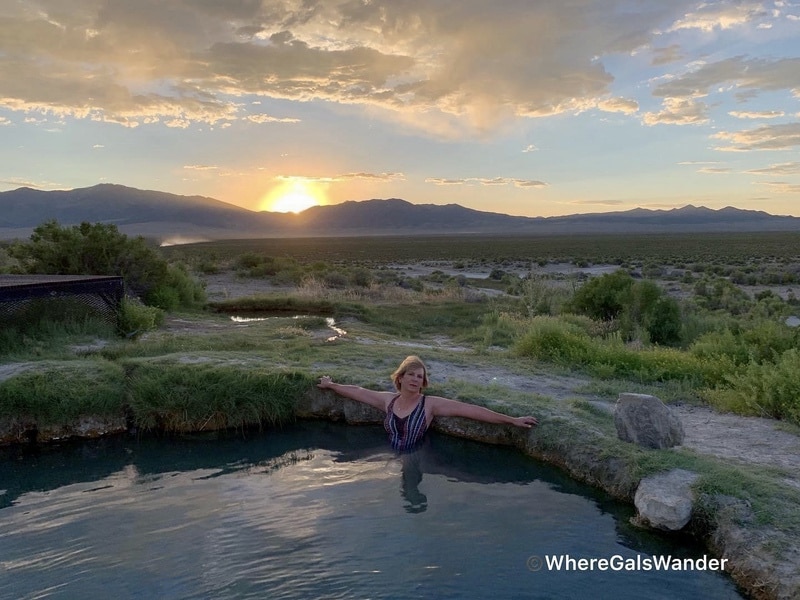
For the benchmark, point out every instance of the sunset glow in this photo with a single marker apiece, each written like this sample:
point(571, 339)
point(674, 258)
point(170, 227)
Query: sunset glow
point(293, 196)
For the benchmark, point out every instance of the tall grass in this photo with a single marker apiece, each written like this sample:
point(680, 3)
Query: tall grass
point(60, 392)
point(762, 389)
point(557, 341)
point(196, 397)
point(43, 331)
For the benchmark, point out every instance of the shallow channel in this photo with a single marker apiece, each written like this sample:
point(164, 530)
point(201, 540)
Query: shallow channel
point(316, 510)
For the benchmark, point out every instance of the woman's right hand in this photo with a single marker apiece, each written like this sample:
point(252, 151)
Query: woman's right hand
point(325, 382)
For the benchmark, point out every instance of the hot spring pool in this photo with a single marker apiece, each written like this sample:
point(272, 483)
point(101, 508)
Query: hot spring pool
point(318, 510)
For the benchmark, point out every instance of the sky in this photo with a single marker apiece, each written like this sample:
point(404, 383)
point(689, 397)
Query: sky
point(524, 107)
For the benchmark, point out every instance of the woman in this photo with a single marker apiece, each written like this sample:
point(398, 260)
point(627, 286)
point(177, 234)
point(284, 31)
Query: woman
point(409, 412)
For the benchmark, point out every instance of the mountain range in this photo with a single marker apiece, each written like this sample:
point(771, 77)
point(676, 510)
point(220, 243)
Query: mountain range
point(163, 215)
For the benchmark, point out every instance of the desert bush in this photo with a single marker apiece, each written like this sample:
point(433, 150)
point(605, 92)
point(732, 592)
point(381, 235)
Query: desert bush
point(641, 308)
point(335, 279)
point(758, 342)
point(496, 328)
point(552, 339)
point(248, 261)
point(543, 296)
point(721, 294)
point(652, 270)
point(135, 318)
point(762, 389)
point(100, 249)
point(178, 289)
point(7, 263)
point(603, 297)
point(568, 344)
point(663, 322)
point(361, 277)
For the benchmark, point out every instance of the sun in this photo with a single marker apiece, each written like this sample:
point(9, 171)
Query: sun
point(293, 196)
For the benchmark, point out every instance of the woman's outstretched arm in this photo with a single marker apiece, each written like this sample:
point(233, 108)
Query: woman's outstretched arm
point(379, 400)
point(445, 407)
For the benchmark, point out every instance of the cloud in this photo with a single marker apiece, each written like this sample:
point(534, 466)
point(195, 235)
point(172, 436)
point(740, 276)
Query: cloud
point(529, 148)
point(677, 111)
point(788, 168)
point(17, 182)
point(598, 202)
point(618, 105)
point(714, 170)
point(442, 181)
point(378, 177)
point(763, 114)
point(468, 67)
point(781, 187)
point(745, 74)
point(501, 181)
point(269, 119)
point(772, 137)
point(201, 167)
point(721, 15)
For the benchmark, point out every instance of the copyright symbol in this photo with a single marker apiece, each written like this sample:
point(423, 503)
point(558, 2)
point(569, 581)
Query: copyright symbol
point(534, 563)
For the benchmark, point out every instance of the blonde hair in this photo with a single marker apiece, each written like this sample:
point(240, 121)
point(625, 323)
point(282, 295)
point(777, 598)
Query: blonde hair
point(410, 362)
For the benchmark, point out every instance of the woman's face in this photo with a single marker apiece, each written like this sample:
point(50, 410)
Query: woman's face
point(412, 380)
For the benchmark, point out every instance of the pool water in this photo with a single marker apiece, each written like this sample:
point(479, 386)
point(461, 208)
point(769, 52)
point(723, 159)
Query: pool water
point(316, 510)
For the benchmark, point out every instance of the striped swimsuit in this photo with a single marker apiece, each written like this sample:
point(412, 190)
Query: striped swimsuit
point(405, 433)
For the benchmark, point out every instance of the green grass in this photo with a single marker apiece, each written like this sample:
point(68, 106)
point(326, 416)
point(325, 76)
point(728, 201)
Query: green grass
point(47, 338)
point(195, 397)
point(59, 392)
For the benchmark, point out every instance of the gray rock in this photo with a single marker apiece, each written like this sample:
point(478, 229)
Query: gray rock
point(645, 420)
point(664, 501)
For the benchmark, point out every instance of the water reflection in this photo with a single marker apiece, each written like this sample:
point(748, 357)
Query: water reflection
point(415, 501)
point(330, 323)
point(315, 510)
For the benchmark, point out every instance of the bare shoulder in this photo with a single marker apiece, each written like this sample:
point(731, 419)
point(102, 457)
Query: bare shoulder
point(377, 399)
point(441, 406)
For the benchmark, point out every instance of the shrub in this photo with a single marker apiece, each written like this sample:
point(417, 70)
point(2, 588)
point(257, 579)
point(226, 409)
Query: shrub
point(136, 318)
point(640, 307)
point(663, 322)
point(552, 339)
point(763, 389)
point(603, 297)
point(543, 296)
point(100, 249)
point(335, 279)
point(361, 277)
point(568, 344)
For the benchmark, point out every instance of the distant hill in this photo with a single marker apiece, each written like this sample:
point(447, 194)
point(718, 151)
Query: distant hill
point(163, 215)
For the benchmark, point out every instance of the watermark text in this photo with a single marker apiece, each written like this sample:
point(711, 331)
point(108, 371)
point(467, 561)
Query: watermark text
point(567, 563)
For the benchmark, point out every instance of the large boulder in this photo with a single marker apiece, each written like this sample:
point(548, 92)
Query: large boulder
point(664, 501)
point(647, 421)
